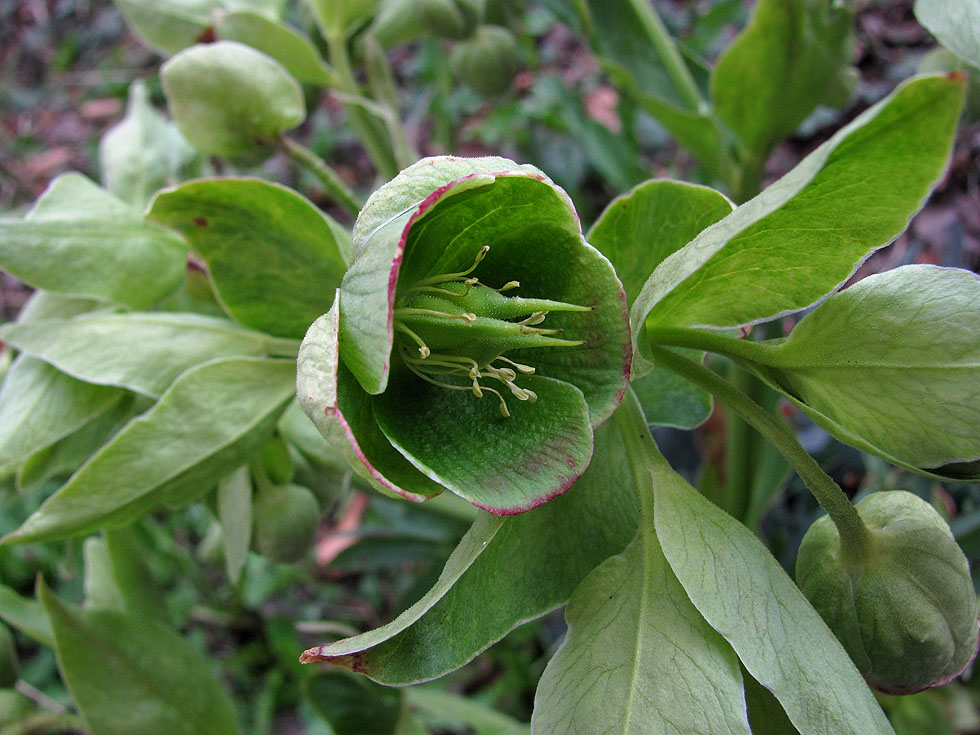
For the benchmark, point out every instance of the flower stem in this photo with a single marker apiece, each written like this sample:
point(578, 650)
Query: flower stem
point(703, 339)
point(664, 45)
point(854, 535)
point(371, 137)
point(332, 183)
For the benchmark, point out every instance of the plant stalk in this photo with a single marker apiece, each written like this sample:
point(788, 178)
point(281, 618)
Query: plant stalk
point(332, 183)
point(376, 147)
point(672, 60)
point(854, 535)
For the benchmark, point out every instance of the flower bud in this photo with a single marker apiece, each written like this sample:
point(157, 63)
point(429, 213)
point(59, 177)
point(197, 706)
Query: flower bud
point(903, 604)
point(286, 519)
point(454, 19)
point(488, 61)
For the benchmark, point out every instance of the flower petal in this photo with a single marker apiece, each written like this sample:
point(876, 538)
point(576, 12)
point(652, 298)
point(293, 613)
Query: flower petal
point(505, 465)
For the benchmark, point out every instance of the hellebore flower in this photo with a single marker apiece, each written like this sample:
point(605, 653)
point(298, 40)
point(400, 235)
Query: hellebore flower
point(475, 342)
point(904, 607)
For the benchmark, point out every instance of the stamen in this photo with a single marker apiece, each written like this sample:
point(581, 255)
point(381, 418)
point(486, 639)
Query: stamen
point(526, 369)
point(423, 349)
point(412, 311)
point(536, 318)
point(456, 276)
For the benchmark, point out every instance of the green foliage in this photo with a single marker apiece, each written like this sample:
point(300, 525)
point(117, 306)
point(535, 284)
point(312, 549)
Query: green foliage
point(213, 475)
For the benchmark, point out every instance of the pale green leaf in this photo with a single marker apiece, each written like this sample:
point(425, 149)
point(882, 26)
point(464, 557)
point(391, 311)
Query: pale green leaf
point(271, 254)
point(891, 364)
point(128, 674)
point(638, 657)
point(745, 595)
point(793, 56)
point(143, 152)
point(804, 235)
point(235, 514)
point(276, 39)
point(956, 23)
point(167, 26)
point(205, 425)
point(143, 352)
point(82, 241)
point(40, 405)
point(228, 99)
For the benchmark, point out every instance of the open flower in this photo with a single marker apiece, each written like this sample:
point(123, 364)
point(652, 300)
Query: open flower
point(476, 341)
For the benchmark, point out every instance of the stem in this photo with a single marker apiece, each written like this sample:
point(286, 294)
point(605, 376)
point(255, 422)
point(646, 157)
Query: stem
point(854, 535)
point(664, 45)
point(738, 453)
point(702, 339)
point(332, 183)
point(375, 146)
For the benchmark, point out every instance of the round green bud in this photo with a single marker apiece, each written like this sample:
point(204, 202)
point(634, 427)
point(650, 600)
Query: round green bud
point(487, 62)
point(455, 19)
point(903, 604)
point(286, 519)
point(8, 658)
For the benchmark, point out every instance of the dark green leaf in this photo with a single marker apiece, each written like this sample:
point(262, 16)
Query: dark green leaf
point(353, 705)
point(82, 241)
point(26, 615)
point(529, 567)
point(237, 224)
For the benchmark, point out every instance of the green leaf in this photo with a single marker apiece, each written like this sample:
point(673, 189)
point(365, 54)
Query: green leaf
point(746, 596)
point(793, 56)
point(955, 23)
point(143, 352)
point(805, 234)
point(638, 657)
point(228, 99)
point(100, 588)
point(352, 705)
point(129, 674)
point(337, 16)
point(51, 305)
point(61, 459)
point(82, 241)
point(276, 39)
point(235, 514)
point(167, 26)
point(637, 230)
point(128, 551)
point(210, 420)
point(439, 708)
point(40, 405)
point(891, 365)
point(143, 152)
point(670, 400)
point(530, 566)
point(26, 615)
point(236, 224)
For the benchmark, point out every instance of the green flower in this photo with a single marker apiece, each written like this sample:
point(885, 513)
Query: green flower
point(905, 608)
point(476, 341)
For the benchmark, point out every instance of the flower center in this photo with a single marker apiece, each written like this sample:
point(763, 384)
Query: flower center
point(453, 331)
